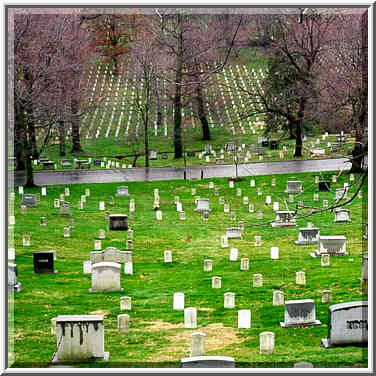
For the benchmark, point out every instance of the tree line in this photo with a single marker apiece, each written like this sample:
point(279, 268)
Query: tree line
point(316, 70)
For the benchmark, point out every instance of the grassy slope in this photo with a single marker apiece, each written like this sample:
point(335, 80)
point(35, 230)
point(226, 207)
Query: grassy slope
point(157, 333)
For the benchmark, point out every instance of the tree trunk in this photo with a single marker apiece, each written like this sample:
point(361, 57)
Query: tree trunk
point(201, 115)
point(29, 169)
point(32, 137)
point(19, 137)
point(146, 138)
point(76, 146)
point(134, 160)
point(61, 138)
point(291, 131)
point(298, 129)
point(178, 147)
point(357, 158)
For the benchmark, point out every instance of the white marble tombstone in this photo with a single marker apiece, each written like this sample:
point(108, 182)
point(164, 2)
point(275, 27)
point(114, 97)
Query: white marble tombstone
point(244, 263)
point(229, 300)
point(300, 313)
point(216, 282)
point(178, 302)
point(266, 343)
point(342, 215)
point(257, 280)
point(190, 318)
point(244, 319)
point(334, 245)
point(197, 344)
point(125, 303)
point(124, 323)
point(80, 338)
point(208, 265)
point(274, 253)
point(233, 254)
point(278, 298)
point(105, 276)
point(284, 218)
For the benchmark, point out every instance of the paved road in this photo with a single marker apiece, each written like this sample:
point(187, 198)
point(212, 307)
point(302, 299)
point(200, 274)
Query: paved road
point(169, 173)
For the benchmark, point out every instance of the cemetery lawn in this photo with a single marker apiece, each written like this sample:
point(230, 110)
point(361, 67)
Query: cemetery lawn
point(157, 337)
point(112, 148)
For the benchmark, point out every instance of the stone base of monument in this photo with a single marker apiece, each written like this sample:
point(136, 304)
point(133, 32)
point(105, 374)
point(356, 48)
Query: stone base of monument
point(317, 253)
point(342, 220)
point(299, 325)
point(282, 224)
point(306, 242)
point(47, 272)
point(325, 342)
point(91, 290)
point(55, 360)
point(208, 362)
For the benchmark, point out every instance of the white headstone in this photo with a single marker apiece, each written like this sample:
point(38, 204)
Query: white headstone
point(190, 318)
point(244, 319)
point(178, 303)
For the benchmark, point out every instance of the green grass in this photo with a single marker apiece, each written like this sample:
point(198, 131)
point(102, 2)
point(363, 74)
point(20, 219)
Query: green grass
point(153, 283)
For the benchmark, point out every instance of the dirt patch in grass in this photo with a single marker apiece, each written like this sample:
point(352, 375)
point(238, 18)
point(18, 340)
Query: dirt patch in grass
point(217, 336)
point(206, 309)
point(155, 326)
point(100, 312)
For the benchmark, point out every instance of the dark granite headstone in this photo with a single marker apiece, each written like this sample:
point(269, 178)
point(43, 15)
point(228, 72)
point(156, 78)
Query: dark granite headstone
point(191, 153)
point(273, 145)
point(324, 186)
point(97, 162)
point(265, 144)
point(44, 262)
point(118, 222)
point(29, 200)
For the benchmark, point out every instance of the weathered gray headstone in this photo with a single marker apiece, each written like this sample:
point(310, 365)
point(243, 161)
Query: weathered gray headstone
point(299, 313)
point(105, 276)
point(29, 200)
point(334, 245)
point(118, 222)
point(348, 324)
point(308, 235)
point(80, 338)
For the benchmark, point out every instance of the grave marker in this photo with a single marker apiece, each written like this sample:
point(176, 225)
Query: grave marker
point(299, 313)
point(105, 276)
point(80, 338)
point(348, 324)
point(44, 262)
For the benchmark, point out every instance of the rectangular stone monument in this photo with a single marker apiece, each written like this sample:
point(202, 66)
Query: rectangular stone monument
point(65, 209)
point(300, 313)
point(29, 200)
point(284, 218)
point(233, 233)
point(122, 191)
point(348, 325)
point(118, 222)
point(333, 245)
point(13, 284)
point(105, 276)
point(294, 187)
point(308, 236)
point(79, 338)
point(342, 215)
point(44, 262)
point(110, 254)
